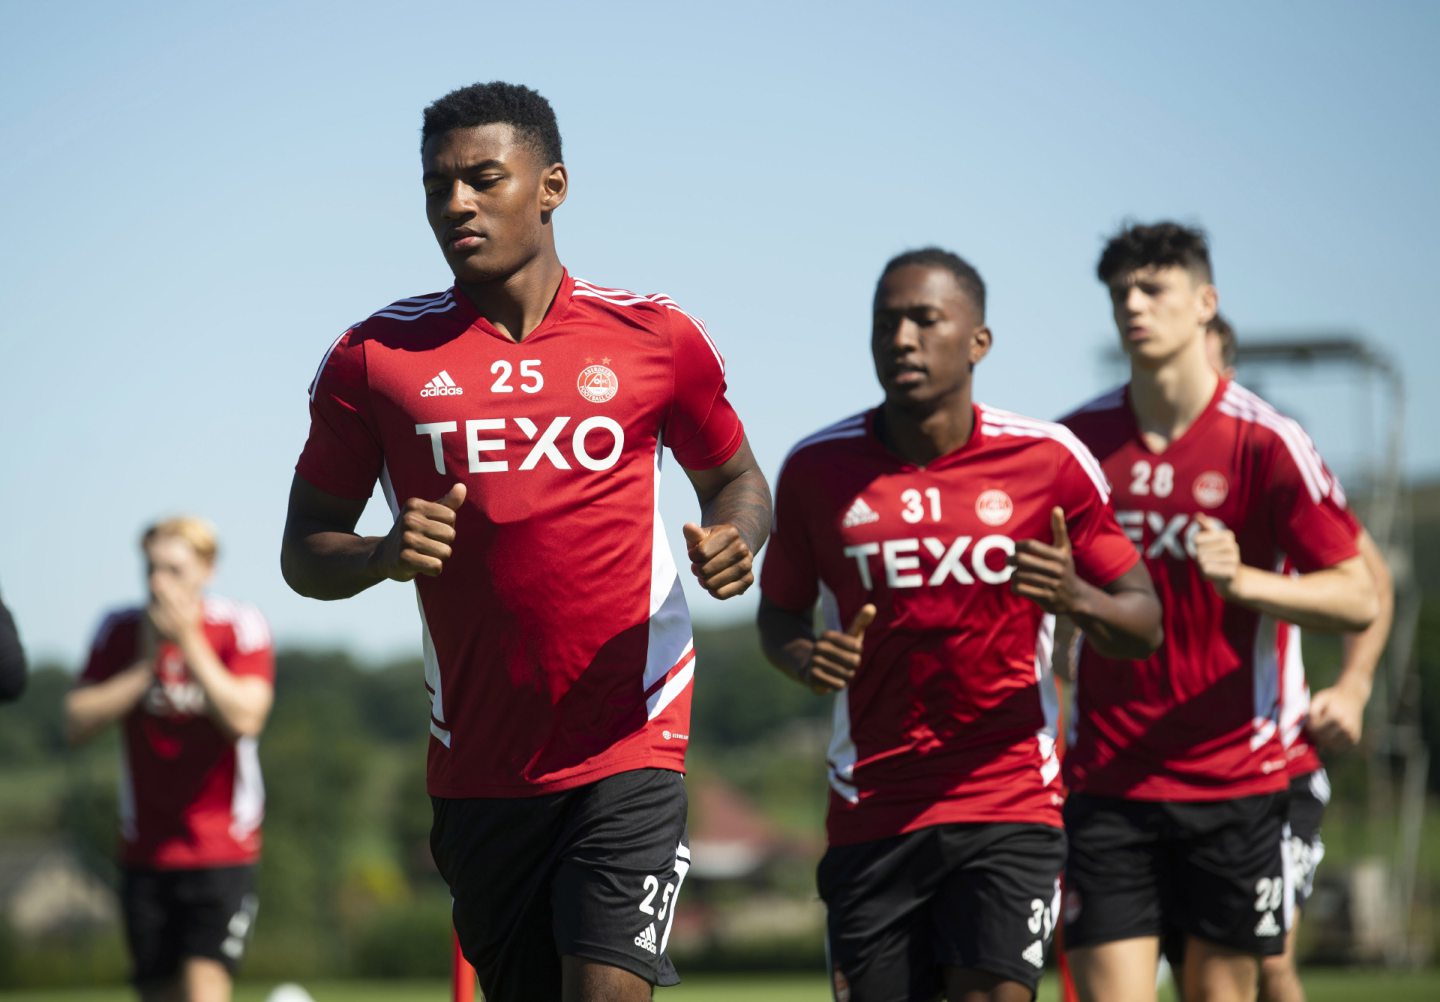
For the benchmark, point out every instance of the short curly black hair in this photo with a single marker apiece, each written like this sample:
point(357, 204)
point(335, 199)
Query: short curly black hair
point(937, 257)
point(497, 101)
point(1157, 245)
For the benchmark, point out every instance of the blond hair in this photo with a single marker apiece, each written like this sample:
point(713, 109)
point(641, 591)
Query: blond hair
point(199, 533)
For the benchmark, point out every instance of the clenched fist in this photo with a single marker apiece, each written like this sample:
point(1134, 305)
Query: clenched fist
point(420, 541)
point(720, 559)
point(836, 656)
point(1217, 554)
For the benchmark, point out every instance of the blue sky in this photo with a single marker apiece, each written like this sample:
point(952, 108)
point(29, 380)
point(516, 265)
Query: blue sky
point(197, 198)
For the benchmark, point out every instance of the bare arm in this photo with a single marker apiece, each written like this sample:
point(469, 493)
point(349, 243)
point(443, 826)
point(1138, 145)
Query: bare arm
point(90, 708)
point(734, 523)
point(1337, 598)
point(1064, 661)
point(822, 664)
point(1120, 620)
point(321, 556)
point(239, 705)
point(1337, 714)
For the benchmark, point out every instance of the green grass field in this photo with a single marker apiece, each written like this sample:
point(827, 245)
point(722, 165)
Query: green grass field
point(1320, 985)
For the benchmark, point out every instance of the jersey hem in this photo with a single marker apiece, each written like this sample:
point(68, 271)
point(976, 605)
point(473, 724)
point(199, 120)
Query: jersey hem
point(324, 483)
point(1275, 783)
point(207, 863)
point(570, 782)
point(877, 829)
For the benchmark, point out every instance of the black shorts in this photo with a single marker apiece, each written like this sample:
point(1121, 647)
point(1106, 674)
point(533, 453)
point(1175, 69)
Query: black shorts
point(171, 915)
point(1309, 795)
point(593, 872)
point(1214, 870)
point(978, 896)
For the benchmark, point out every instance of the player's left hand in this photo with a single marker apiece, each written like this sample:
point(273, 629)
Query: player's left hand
point(720, 558)
point(1337, 718)
point(1217, 554)
point(173, 610)
point(1045, 574)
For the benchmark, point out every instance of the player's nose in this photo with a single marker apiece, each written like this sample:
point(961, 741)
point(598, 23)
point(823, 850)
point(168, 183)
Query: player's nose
point(903, 337)
point(457, 204)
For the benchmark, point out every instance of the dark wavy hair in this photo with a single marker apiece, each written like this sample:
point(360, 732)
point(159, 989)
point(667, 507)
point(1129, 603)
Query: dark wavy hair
point(937, 257)
point(1229, 345)
point(1157, 245)
point(489, 103)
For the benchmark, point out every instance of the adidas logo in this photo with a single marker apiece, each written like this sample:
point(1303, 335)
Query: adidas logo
point(1035, 954)
point(860, 513)
point(1267, 926)
point(646, 939)
point(442, 386)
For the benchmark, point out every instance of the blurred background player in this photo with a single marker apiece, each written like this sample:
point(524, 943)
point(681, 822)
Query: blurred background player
point(1178, 775)
point(907, 522)
point(516, 421)
point(189, 676)
point(12, 658)
point(1332, 719)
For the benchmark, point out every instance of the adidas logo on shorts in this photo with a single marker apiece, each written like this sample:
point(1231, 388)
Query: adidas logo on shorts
point(1267, 926)
point(441, 386)
point(1035, 954)
point(860, 513)
point(646, 939)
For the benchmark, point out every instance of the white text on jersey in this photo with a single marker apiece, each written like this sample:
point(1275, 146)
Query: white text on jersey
point(901, 561)
point(544, 446)
point(1169, 536)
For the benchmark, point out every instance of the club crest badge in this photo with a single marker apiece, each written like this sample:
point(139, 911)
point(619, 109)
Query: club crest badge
point(994, 507)
point(1211, 489)
point(598, 383)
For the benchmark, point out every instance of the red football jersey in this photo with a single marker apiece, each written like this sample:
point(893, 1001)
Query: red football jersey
point(951, 715)
point(1200, 719)
point(190, 796)
point(557, 641)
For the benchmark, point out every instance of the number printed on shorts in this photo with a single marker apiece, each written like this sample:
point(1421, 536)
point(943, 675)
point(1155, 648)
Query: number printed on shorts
point(652, 888)
point(1269, 893)
point(1042, 919)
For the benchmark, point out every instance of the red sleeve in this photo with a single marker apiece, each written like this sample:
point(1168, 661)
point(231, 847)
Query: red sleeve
point(1311, 523)
point(702, 429)
point(343, 454)
point(112, 649)
point(1100, 548)
point(788, 577)
point(254, 652)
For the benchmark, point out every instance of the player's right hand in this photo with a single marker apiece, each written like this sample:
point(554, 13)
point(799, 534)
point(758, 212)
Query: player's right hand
point(419, 542)
point(836, 656)
point(1217, 555)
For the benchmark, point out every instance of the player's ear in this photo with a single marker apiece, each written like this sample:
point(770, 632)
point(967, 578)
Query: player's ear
point(980, 342)
point(1209, 302)
point(554, 186)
